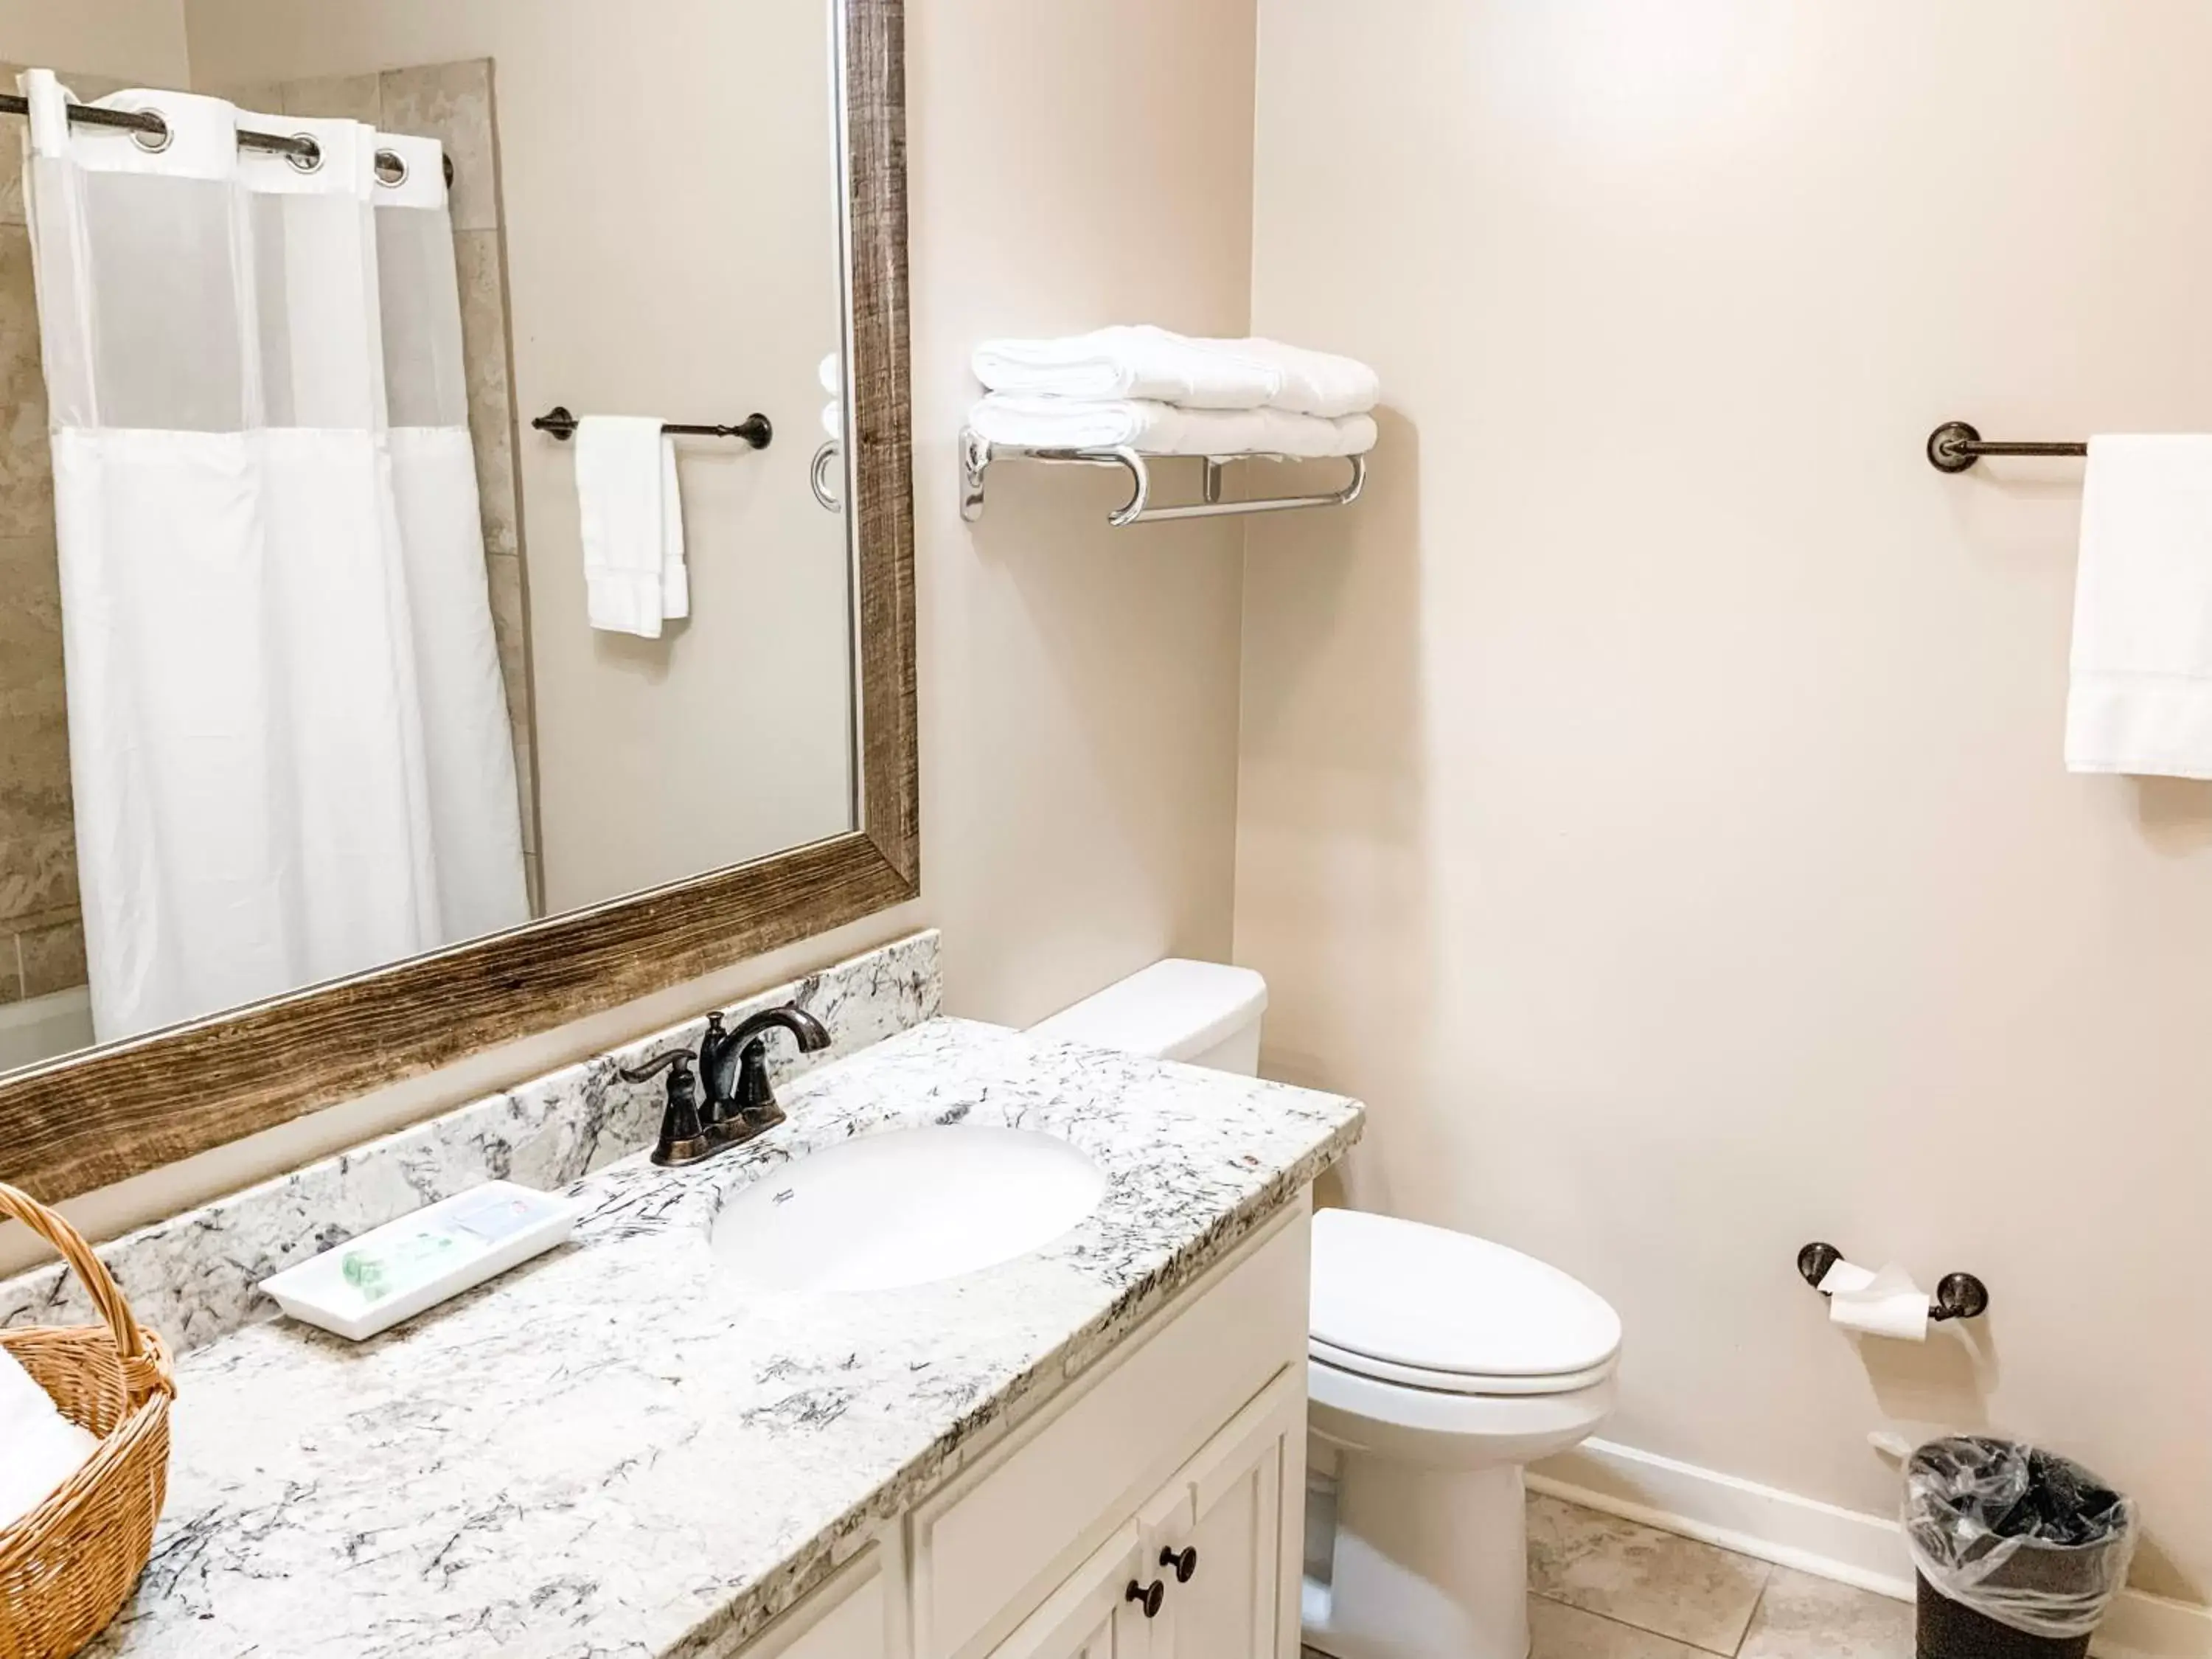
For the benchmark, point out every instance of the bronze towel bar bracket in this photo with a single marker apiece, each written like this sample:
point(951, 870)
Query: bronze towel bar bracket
point(1954, 446)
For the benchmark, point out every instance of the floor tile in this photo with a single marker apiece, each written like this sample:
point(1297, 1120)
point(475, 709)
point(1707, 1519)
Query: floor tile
point(1655, 1581)
point(1802, 1617)
point(1558, 1632)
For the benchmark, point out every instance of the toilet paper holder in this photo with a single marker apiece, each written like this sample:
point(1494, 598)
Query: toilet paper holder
point(1958, 1296)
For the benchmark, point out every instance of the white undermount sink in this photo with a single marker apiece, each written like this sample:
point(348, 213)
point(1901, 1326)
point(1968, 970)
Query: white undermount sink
point(904, 1207)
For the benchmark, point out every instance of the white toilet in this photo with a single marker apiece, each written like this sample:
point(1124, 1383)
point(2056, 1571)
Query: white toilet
point(1438, 1364)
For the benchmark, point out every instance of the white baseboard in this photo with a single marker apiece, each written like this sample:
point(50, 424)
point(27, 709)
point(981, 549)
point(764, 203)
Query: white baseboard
point(1846, 1545)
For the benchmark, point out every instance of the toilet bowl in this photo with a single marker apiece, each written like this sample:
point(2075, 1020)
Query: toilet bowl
point(1438, 1366)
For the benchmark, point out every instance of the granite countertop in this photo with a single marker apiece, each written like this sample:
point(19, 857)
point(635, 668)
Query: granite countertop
point(611, 1452)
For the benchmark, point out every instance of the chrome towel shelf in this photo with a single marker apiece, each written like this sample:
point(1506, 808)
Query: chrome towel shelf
point(976, 454)
point(1954, 446)
point(824, 467)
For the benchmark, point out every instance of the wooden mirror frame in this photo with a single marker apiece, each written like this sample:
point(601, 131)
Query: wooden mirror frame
point(88, 1119)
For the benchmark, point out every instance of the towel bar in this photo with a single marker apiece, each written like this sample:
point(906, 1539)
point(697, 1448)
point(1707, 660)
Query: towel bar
point(755, 430)
point(1955, 446)
point(976, 454)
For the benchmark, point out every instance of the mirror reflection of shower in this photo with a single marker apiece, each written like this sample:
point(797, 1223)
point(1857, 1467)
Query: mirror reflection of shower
point(297, 697)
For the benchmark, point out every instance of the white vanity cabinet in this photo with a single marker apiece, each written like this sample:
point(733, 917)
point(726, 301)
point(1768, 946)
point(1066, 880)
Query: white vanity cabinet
point(1048, 1542)
point(1091, 1616)
point(1232, 1509)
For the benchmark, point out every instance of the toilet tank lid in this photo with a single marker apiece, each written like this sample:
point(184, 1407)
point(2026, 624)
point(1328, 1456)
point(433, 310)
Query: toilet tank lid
point(1172, 1010)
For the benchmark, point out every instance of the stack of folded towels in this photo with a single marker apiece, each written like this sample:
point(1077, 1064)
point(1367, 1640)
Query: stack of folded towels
point(1163, 393)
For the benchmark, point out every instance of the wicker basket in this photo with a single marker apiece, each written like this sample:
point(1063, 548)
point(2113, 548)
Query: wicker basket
point(68, 1567)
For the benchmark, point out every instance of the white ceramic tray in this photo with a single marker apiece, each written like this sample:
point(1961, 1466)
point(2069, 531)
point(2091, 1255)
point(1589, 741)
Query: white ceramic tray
point(493, 1227)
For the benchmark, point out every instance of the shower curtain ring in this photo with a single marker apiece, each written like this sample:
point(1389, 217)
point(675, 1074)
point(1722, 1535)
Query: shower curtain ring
point(308, 159)
point(154, 139)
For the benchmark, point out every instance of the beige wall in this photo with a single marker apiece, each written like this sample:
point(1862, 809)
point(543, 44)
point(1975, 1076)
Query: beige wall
point(671, 237)
point(134, 42)
point(1651, 798)
point(1078, 685)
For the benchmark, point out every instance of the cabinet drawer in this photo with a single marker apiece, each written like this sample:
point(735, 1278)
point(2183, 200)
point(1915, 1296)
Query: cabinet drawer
point(991, 1545)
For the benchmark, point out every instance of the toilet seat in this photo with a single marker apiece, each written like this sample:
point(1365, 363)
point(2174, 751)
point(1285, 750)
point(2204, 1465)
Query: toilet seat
point(1419, 1307)
point(1436, 1382)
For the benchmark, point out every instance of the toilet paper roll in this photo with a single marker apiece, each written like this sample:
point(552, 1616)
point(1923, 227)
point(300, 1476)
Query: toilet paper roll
point(1846, 1276)
point(1884, 1303)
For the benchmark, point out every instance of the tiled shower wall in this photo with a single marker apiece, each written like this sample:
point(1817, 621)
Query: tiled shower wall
point(42, 937)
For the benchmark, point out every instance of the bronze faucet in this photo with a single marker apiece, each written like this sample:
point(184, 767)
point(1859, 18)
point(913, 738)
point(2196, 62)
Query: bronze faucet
point(740, 1103)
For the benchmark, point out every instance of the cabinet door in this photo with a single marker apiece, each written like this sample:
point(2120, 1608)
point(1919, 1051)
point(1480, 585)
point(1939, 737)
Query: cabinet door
point(1233, 1504)
point(847, 1618)
point(1091, 1616)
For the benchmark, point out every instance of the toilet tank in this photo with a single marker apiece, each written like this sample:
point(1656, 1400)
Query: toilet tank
point(1203, 1013)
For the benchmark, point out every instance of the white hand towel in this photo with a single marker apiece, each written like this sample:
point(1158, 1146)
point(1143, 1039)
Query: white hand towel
point(2141, 700)
point(39, 1448)
point(1138, 361)
point(675, 579)
point(1157, 428)
point(633, 524)
point(1308, 382)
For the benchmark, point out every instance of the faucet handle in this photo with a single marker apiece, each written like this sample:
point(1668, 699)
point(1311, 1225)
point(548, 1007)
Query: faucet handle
point(754, 1098)
point(684, 1137)
point(674, 1057)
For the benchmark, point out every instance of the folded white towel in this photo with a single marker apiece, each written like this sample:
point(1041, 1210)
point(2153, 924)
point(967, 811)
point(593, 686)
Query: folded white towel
point(1126, 362)
point(1157, 428)
point(2141, 700)
point(633, 525)
point(1308, 382)
point(39, 1448)
point(1162, 367)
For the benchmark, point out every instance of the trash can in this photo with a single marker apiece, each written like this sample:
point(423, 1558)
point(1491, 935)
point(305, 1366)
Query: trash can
point(2019, 1550)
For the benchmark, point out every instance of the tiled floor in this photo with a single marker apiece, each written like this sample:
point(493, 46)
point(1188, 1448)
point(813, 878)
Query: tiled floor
point(1604, 1588)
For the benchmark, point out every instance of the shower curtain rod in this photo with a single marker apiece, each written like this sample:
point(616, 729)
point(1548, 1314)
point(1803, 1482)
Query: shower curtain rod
point(143, 123)
point(147, 122)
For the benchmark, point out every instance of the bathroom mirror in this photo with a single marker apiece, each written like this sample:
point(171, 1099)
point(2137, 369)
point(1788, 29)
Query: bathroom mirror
point(455, 534)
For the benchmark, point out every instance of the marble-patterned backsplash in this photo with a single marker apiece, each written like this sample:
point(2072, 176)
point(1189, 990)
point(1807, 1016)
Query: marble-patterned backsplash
point(192, 1277)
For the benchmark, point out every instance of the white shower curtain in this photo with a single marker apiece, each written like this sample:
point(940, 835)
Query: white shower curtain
point(282, 692)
